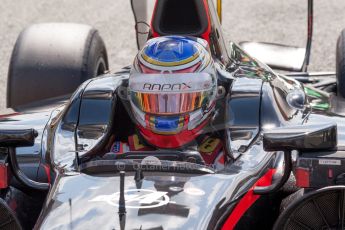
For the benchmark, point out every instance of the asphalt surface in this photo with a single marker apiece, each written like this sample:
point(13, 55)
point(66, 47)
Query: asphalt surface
point(260, 20)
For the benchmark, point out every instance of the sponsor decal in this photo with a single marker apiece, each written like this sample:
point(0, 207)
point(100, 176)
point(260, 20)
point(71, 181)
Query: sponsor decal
point(136, 198)
point(194, 191)
point(119, 147)
point(166, 87)
point(136, 145)
point(210, 149)
point(329, 162)
point(151, 160)
point(209, 145)
point(175, 189)
point(186, 82)
point(116, 147)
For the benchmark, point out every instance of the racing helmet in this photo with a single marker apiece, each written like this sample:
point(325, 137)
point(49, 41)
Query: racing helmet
point(172, 90)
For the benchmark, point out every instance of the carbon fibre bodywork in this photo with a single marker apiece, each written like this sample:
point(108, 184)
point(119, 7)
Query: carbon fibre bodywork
point(95, 112)
point(86, 189)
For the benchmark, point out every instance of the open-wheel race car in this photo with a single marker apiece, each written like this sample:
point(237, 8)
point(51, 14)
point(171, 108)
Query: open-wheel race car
point(195, 134)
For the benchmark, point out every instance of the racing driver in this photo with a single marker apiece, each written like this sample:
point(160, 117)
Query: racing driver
point(172, 93)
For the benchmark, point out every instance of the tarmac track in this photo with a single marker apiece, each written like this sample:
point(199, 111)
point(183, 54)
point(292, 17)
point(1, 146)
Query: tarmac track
point(260, 20)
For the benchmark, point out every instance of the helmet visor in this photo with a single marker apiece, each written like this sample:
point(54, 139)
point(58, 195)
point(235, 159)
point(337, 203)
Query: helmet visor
point(169, 94)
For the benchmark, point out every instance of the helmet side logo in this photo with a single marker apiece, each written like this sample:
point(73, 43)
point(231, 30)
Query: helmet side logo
point(166, 87)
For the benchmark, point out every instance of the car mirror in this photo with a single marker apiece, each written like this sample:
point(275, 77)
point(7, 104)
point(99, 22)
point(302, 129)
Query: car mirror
point(12, 138)
point(17, 137)
point(296, 99)
point(303, 137)
point(276, 56)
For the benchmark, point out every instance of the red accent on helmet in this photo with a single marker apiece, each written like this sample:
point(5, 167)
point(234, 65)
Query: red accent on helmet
point(147, 70)
point(186, 121)
point(174, 140)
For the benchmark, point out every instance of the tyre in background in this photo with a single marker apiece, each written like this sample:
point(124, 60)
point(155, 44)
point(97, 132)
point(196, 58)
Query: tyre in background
point(340, 64)
point(51, 60)
point(320, 209)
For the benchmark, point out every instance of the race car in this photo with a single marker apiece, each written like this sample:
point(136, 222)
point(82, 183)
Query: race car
point(195, 134)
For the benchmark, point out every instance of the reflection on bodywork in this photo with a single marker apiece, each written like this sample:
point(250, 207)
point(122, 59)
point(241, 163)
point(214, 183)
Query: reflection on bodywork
point(318, 100)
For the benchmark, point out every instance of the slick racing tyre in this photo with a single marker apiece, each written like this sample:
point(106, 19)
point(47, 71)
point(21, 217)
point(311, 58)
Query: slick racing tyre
point(340, 64)
point(321, 209)
point(51, 60)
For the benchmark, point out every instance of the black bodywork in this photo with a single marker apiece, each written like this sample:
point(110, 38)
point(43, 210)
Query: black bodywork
point(95, 113)
point(67, 153)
